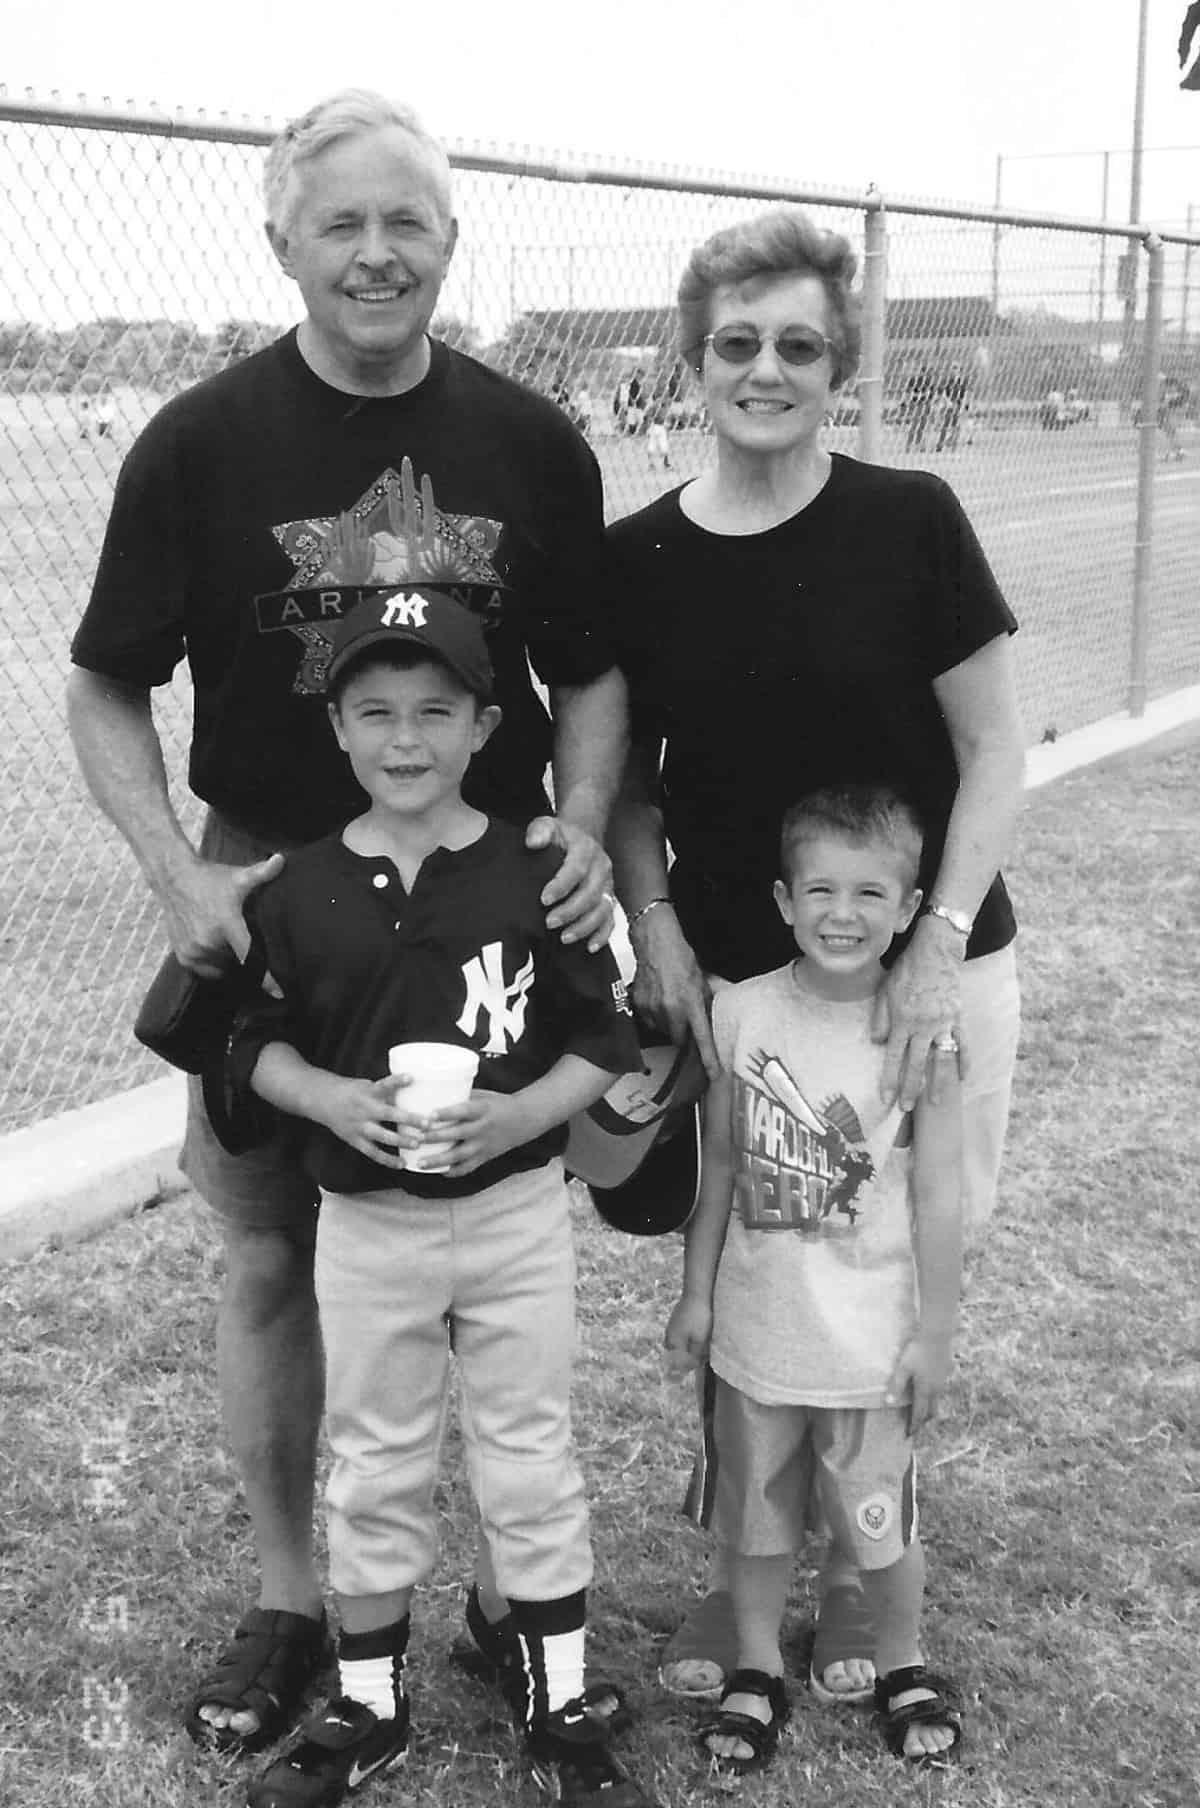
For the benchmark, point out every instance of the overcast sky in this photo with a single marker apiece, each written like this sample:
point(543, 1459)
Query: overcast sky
point(917, 97)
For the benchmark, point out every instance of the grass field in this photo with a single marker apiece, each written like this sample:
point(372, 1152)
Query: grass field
point(1056, 513)
point(1061, 1487)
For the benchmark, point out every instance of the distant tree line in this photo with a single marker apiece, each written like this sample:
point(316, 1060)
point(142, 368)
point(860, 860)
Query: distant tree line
point(165, 355)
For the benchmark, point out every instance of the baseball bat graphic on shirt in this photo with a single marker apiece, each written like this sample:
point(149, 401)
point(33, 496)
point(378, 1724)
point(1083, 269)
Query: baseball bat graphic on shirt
point(779, 1083)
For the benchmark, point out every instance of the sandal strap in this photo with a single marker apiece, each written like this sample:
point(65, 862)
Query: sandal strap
point(773, 1690)
point(942, 1707)
point(914, 1676)
point(267, 1666)
point(760, 1735)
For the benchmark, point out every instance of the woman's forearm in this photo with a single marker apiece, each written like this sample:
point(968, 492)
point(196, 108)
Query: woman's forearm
point(980, 830)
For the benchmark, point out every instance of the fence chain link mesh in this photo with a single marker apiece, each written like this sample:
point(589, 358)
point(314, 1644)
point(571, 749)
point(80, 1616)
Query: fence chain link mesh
point(133, 264)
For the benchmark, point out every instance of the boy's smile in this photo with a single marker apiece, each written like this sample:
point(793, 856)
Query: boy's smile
point(410, 733)
point(844, 904)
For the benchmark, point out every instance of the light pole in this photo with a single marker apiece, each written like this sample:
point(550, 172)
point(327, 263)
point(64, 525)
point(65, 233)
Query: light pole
point(1187, 282)
point(1129, 286)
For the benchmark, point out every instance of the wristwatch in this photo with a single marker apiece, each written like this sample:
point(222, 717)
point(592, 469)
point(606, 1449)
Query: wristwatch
point(957, 919)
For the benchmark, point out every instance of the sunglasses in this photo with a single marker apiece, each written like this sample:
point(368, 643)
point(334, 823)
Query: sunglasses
point(794, 345)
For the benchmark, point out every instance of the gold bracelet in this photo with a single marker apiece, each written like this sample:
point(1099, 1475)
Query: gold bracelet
point(646, 909)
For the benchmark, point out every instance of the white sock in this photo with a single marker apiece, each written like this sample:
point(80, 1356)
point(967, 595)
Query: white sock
point(562, 1654)
point(375, 1681)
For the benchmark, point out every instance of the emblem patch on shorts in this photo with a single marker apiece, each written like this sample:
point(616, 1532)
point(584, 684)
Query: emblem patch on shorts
point(875, 1516)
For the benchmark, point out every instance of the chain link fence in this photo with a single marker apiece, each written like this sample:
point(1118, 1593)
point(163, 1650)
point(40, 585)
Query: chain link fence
point(1011, 354)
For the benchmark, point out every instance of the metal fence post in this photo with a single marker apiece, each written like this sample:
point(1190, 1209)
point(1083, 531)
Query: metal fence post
point(874, 305)
point(1143, 544)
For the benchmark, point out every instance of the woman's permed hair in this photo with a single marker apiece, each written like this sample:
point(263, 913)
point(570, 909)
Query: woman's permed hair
point(856, 813)
point(343, 115)
point(784, 241)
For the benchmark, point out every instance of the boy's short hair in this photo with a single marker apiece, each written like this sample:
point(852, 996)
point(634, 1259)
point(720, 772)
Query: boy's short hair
point(858, 813)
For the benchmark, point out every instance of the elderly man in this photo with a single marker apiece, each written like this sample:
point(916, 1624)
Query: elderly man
point(354, 453)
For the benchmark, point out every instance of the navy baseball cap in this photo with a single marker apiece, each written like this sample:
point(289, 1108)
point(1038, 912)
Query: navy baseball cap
point(425, 616)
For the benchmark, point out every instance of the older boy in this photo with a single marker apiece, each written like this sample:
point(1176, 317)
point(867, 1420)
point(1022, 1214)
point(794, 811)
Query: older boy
point(422, 920)
point(822, 1274)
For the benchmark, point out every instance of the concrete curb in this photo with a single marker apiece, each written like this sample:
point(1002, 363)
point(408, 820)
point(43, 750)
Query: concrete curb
point(1116, 734)
point(74, 1175)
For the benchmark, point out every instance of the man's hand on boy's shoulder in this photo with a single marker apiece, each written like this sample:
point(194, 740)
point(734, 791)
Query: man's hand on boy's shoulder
point(922, 1371)
point(204, 904)
point(686, 1339)
point(579, 899)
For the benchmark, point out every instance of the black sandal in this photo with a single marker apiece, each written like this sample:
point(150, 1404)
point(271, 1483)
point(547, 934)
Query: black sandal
point(274, 1659)
point(491, 1653)
point(762, 1736)
point(942, 1707)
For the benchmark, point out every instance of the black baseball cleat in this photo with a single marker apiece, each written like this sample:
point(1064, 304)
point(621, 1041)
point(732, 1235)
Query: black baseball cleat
point(571, 1762)
point(339, 1749)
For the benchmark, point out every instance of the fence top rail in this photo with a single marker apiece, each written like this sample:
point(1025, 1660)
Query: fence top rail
point(514, 161)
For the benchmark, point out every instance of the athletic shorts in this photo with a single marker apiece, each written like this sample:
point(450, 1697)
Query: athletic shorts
point(768, 1463)
point(267, 1188)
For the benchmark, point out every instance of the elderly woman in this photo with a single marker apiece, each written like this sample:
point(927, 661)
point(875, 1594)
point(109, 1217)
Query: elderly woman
point(795, 618)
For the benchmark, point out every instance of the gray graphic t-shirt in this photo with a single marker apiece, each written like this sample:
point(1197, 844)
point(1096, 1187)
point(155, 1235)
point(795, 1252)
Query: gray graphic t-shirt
point(816, 1289)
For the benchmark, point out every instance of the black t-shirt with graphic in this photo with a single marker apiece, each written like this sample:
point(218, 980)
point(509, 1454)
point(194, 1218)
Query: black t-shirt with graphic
point(254, 509)
point(772, 663)
point(465, 957)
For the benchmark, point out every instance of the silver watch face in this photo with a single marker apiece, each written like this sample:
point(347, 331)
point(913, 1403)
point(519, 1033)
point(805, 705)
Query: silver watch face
point(958, 919)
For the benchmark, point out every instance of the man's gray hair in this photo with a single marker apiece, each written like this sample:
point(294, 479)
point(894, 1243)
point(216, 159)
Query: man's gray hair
point(348, 113)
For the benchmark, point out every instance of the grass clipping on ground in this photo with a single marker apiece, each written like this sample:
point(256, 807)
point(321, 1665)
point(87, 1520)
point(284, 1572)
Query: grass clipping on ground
point(1060, 1497)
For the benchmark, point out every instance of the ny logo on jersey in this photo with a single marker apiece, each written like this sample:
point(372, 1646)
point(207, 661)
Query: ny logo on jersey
point(404, 612)
point(504, 1004)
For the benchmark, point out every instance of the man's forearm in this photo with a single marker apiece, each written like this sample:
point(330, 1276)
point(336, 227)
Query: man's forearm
point(120, 755)
point(591, 736)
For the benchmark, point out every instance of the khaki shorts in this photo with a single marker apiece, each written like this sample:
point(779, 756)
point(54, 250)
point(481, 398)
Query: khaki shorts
point(266, 1189)
point(768, 1463)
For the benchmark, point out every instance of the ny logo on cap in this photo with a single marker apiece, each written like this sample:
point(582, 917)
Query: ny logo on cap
point(404, 612)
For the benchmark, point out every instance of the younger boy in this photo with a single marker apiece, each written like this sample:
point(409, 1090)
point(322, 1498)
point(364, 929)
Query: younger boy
point(421, 921)
point(822, 1274)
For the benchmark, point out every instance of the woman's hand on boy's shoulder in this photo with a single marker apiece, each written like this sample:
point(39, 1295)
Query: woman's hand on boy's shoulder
point(687, 1336)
